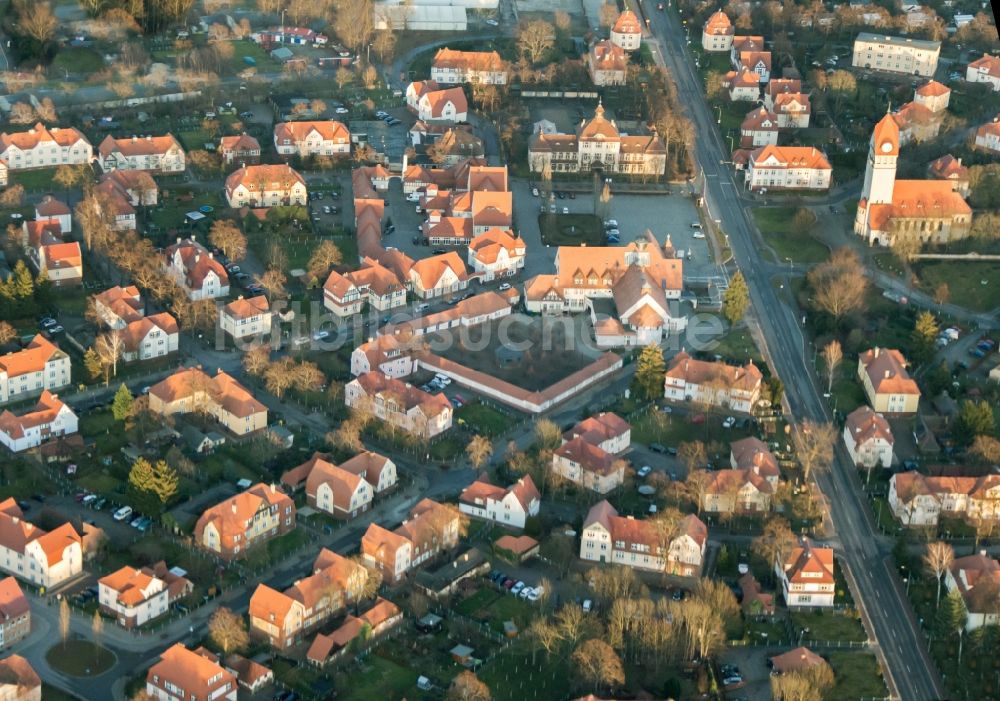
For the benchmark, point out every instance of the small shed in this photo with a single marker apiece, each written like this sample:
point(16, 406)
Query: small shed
point(462, 654)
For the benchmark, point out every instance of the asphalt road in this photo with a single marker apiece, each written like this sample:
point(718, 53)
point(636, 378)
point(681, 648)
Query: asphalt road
point(912, 675)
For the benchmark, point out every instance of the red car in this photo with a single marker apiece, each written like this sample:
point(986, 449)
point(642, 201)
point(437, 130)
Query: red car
point(698, 419)
point(509, 583)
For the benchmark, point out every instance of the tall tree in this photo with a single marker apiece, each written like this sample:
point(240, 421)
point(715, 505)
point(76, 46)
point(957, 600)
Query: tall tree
point(97, 630)
point(36, 20)
point(325, 256)
point(64, 620)
point(833, 354)
point(227, 237)
point(693, 455)
point(92, 362)
point(227, 631)
point(535, 38)
point(736, 299)
point(814, 446)
point(649, 371)
point(925, 333)
point(354, 24)
point(140, 476)
point(165, 482)
point(7, 332)
point(839, 285)
point(986, 448)
point(479, 451)
point(466, 686)
point(937, 560)
point(121, 407)
point(775, 542)
point(547, 434)
point(598, 665)
point(974, 419)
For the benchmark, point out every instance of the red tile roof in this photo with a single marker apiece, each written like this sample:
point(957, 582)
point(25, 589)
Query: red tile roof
point(807, 564)
point(886, 368)
point(865, 425)
point(327, 130)
point(30, 359)
point(27, 140)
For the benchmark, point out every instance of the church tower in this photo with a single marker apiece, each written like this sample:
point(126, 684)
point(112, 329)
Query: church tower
point(880, 173)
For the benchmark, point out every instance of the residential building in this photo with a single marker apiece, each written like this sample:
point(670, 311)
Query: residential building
point(196, 270)
point(416, 90)
point(121, 191)
point(606, 430)
point(613, 539)
point(337, 491)
point(134, 596)
point(430, 529)
point(717, 34)
point(50, 208)
point(242, 148)
point(377, 470)
point(496, 253)
point(246, 317)
point(737, 491)
point(793, 110)
point(984, 70)
point(868, 438)
point(284, 618)
point(399, 403)
point(807, 576)
point(61, 260)
point(42, 558)
point(186, 675)
point(232, 527)
point(640, 280)
point(749, 56)
point(950, 169)
point(626, 32)
point(304, 139)
point(38, 366)
point(921, 119)
point(753, 454)
point(162, 154)
point(39, 147)
point(251, 676)
point(759, 128)
point(928, 210)
point(988, 136)
point(780, 86)
point(799, 660)
point(443, 105)
point(510, 506)
point(378, 619)
point(788, 168)
point(226, 400)
point(606, 62)
point(891, 54)
point(742, 85)
point(4, 174)
point(976, 578)
point(150, 337)
point(456, 144)
point(451, 67)
point(745, 43)
point(598, 144)
point(15, 613)
point(920, 500)
point(438, 275)
point(588, 466)
point(18, 680)
point(712, 383)
point(389, 354)
point(49, 418)
point(118, 306)
point(265, 186)
point(347, 293)
point(888, 386)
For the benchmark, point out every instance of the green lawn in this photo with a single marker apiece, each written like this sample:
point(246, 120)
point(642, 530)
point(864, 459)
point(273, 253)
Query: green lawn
point(857, 676)
point(738, 346)
point(965, 282)
point(282, 546)
point(512, 676)
point(670, 430)
point(495, 607)
point(775, 224)
point(378, 679)
point(571, 229)
point(78, 60)
point(829, 626)
point(264, 62)
point(51, 693)
point(36, 180)
point(79, 658)
point(483, 419)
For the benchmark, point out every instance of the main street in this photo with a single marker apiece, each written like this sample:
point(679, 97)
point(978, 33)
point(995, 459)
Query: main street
point(912, 675)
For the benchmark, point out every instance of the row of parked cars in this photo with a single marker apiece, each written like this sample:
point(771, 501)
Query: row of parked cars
point(125, 513)
point(516, 586)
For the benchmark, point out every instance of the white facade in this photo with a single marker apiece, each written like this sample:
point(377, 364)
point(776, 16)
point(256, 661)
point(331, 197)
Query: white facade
point(148, 339)
point(19, 437)
point(359, 500)
point(240, 326)
point(154, 603)
point(892, 54)
point(45, 148)
point(985, 70)
point(49, 373)
point(872, 452)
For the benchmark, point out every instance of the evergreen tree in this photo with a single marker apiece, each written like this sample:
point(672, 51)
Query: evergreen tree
point(736, 299)
point(164, 482)
point(925, 332)
point(43, 289)
point(140, 477)
point(23, 285)
point(649, 371)
point(950, 615)
point(974, 419)
point(92, 362)
point(122, 405)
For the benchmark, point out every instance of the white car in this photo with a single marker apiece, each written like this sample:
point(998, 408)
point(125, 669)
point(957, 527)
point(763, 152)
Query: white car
point(588, 605)
point(526, 592)
point(611, 224)
point(698, 235)
point(123, 513)
point(565, 210)
point(341, 110)
point(516, 589)
point(320, 335)
point(443, 381)
point(536, 594)
point(413, 197)
point(729, 422)
point(504, 287)
point(492, 23)
point(644, 471)
point(534, 192)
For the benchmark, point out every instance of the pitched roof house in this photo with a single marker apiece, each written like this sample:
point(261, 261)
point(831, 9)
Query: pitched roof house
point(61, 260)
point(430, 529)
point(400, 403)
point(157, 153)
point(606, 62)
point(183, 674)
point(15, 613)
point(241, 148)
point(265, 186)
point(451, 67)
point(41, 147)
point(868, 438)
point(246, 317)
point(589, 466)
point(135, 596)
point(39, 365)
point(608, 431)
point(887, 384)
point(233, 526)
point(920, 500)
point(196, 270)
point(976, 578)
point(626, 32)
point(221, 396)
point(714, 383)
point(320, 138)
point(807, 576)
point(50, 418)
point(510, 506)
point(788, 168)
point(43, 558)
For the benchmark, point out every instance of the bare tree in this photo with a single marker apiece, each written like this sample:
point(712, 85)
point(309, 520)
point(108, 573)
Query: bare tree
point(467, 687)
point(22, 113)
point(64, 620)
point(384, 44)
point(814, 446)
point(227, 630)
point(696, 487)
point(109, 347)
point(343, 76)
point(369, 76)
point(535, 38)
point(547, 434)
point(775, 543)
point(839, 285)
point(937, 560)
point(227, 237)
point(608, 14)
point(545, 633)
point(479, 451)
point(36, 20)
point(599, 665)
point(325, 256)
point(355, 24)
point(7, 332)
point(274, 281)
point(832, 355)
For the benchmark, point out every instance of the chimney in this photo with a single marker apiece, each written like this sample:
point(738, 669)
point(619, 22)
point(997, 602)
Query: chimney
point(887, 374)
point(134, 138)
point(149, 137)
point(877, 351)
point(233, 506)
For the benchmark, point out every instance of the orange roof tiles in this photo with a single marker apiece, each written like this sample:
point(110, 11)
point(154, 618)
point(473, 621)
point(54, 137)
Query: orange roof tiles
point(468, 60)
point(13, 602)
point(437, 100)
point(745, 78)
point(932, 88)
point(327, 130)
point(719, 24)
point(51, 207)
point(42, 414)
point(27, 140)
point(977, 578)
point(267, 178)
point(138, 145)
point(987, 64)
point(247, 307)
point(198, 675)
point(516, 544)
point(918, 199)
point(947, 167)
point(430, 270)
point(864, 425)
point(886, 368)
point(885, 137)
point(792, 102)
point(240, 143)
point(487, 246)
point(599, 428)
point(605, 56)
point(197, 263)
point(753, 454)
point(729, 481)
point(683, 366)
point(18, 672)
point(807, 564)
point(343, 484)
point(32, 358)
point(589, 457)
point(231, 516)
point(627, 23)
point(807, 157)
point(377, 383)
point(759, 119)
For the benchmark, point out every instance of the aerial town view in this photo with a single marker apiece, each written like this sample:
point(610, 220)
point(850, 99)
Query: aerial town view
point(499, 350)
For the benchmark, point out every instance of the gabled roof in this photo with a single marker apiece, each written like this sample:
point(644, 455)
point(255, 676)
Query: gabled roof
point(38, 134)
point(809, 565)
point(377, 383)
point(886, 368)
point(43, 413)
point(864, 425)
point(947, 167)
point(240, 142)
point(719, 24)
point(987, 64)
point(437, 100)
point(197, 263)
point(683, 366)
point(591, 458)
point(807, 157)
point(599, 428)
point(627, 23)
point(759, 119)
point(797, 660)
point(136, 331)
point(729, 481)
point(343, 484)
point(13, 602)
point(932, 88)
point(231, 515)
point(977, 578)
point(197, 674)
point(138, 145)
point(265, 177)
point(468, 60)
point(247, 307)
point(487, 246)
point(51, 207)
point(327, 130)
point(32, 358)
point(430, 270)
point(607, 56)
point(753, 454)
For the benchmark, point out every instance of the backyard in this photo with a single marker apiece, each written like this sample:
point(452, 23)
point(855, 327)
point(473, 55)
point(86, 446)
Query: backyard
point(483, 419)
point(571, 230)
point(971, 285)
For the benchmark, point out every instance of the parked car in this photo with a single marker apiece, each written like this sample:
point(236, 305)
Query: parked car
point(516, 589)
point(88, 499)
point(341, 110)
point(492, 23)
point(123, 513)
point(611, 224)
point(526, 592)
point(534, 192)
point(657, 448)
point(729, 422)
point(698, 235)
point(99, 504)
point(565, 210)
point(644, 471)
point(588, 605)
point(508, 584)
point(536, 593)
point(504, 287)
point(320, 334)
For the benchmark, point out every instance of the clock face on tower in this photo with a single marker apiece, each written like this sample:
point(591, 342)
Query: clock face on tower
point(886, 147)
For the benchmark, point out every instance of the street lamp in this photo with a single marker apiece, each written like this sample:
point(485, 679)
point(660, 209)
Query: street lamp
point(789, 263)
point(718, 119)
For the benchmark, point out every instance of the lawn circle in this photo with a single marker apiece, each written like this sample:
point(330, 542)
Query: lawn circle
point(80, 658)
